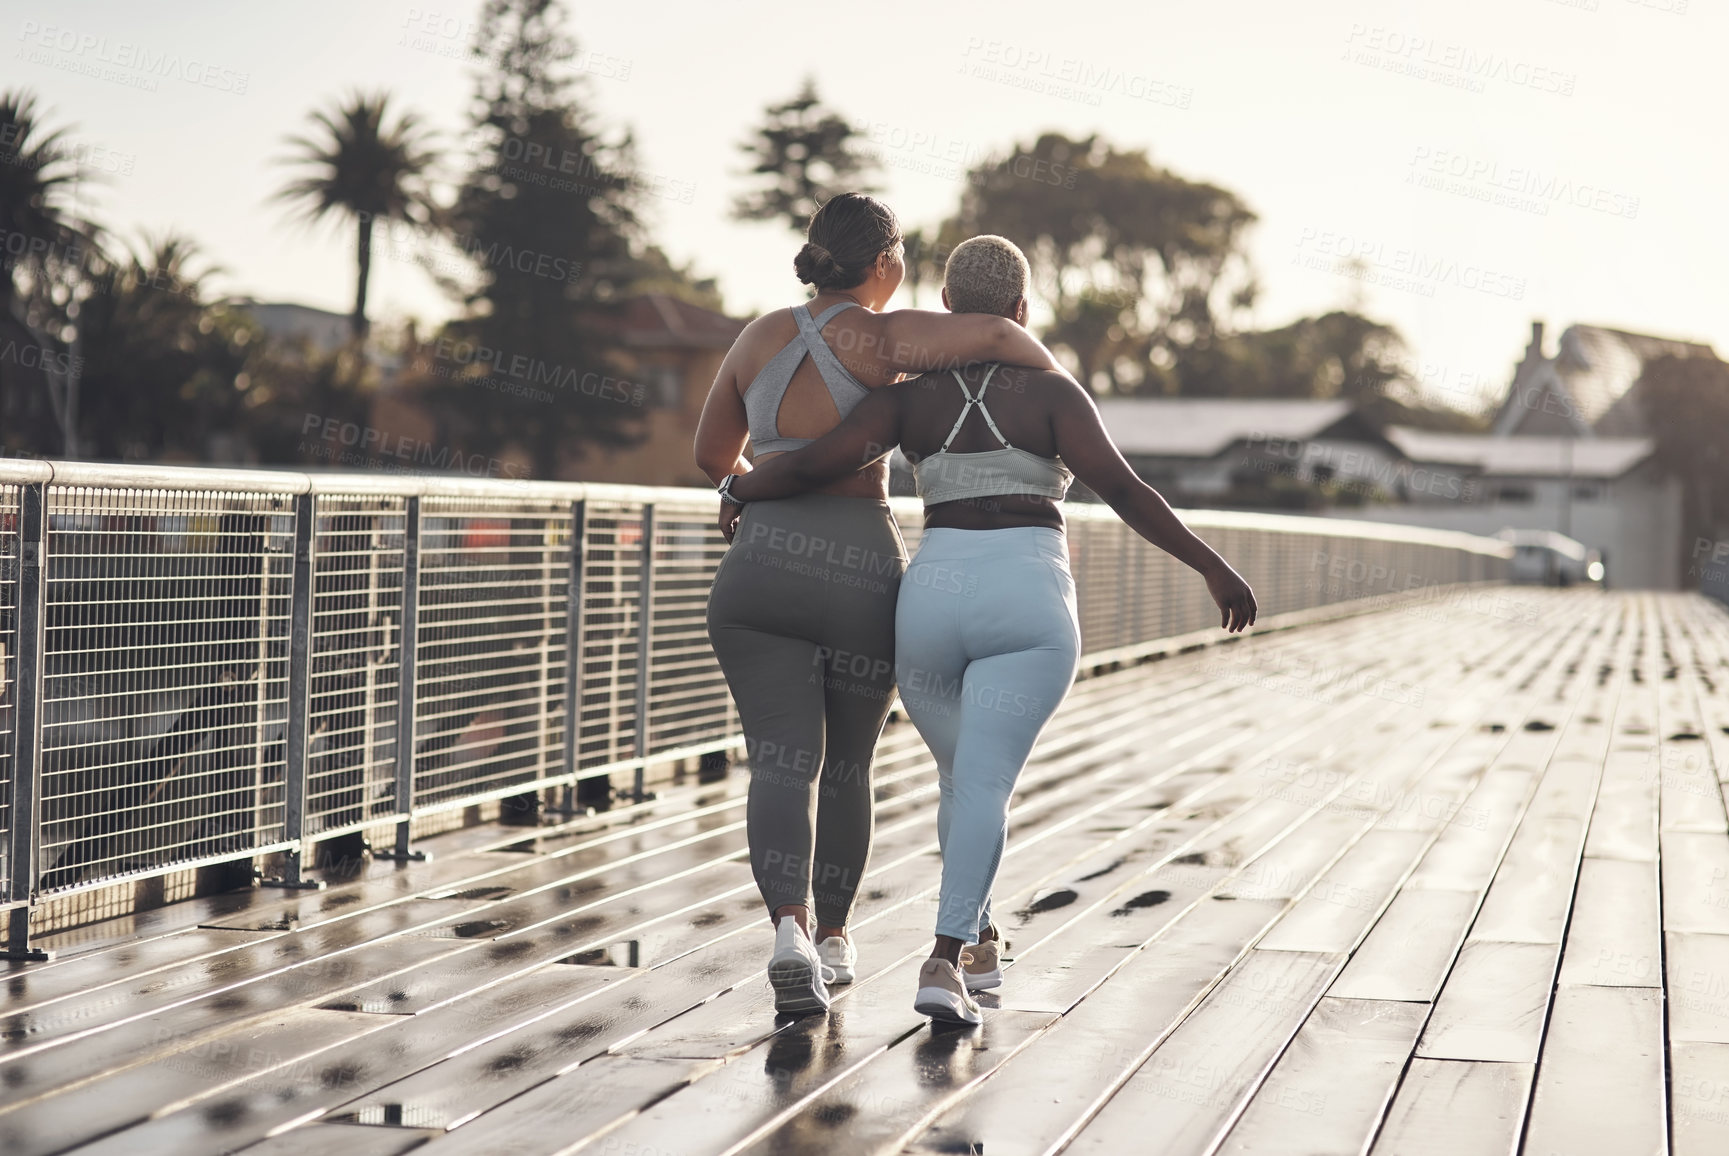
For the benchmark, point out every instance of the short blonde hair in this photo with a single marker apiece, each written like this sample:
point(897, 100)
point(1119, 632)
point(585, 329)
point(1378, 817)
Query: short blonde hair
point(986, 274)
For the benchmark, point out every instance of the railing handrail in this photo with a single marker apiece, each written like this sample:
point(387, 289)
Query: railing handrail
point(107, 475)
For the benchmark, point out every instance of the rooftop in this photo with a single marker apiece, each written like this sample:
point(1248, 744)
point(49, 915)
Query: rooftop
point(658, 320)
point(1518, 456)
point(1203, 427)
point(1593, 370)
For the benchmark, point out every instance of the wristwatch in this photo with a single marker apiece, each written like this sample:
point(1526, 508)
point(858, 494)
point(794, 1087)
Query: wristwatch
point(725, 491)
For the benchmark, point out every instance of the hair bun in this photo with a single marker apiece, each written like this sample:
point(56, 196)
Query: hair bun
point(815, 265)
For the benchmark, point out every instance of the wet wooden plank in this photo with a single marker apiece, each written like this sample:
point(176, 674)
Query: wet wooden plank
point(1034, 1101)
point(1600, 1085)
point(212, 1061)
point(343, 1140)
point(327, 949)
point(1697, 974)
point(1533, 890)
point(30, 1074)
point(1624, 824)
point(1614, 939)
point(1326, 1094)
point(555, 1115)
point(1294, 862)
point(1189, 1090)
point(1345, 900)
point(871, 1110)
point(1061, 970)
point(27, 988)
point(1695, 882)
point(1493, 1004)
point(1409, 950)
point(1454, 1108)
point(1699, 1098)
point(216, 1120)
point(1465, 855)
point(737, 1099)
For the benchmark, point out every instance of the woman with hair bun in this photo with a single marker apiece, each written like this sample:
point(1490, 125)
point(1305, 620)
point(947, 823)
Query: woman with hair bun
point(802, 612)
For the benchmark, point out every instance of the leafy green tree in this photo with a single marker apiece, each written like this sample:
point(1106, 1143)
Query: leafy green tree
point(359, 166)
point(802, 154)
point(1135, 261)
point(44, 249)
point(548, 220)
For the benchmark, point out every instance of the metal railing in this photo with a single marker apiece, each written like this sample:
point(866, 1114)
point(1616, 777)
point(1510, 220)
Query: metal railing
point(199, 666)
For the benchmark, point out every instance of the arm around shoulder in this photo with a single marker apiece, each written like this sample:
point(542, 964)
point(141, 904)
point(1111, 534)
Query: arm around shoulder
point(919, 340)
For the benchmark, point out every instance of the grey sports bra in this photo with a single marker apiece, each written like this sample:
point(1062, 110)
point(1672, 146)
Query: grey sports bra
point(762, 397)
point(946, 477)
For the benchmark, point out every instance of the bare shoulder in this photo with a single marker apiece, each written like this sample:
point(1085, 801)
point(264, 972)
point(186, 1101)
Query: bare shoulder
point(768, 327)
point(1058, 388)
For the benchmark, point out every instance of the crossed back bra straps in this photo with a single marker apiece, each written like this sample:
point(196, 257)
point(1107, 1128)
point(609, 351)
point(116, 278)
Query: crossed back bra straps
point(763, 396)
point(951, 477)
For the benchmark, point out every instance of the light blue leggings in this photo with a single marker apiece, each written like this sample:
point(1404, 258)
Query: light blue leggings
point(986, 646)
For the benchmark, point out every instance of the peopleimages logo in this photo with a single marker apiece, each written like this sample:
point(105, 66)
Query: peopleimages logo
point(95, 51)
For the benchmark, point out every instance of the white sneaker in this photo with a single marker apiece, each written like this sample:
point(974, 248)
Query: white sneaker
point(943, 995)
point(981, 966)
point(840, 957)
point(796, 972)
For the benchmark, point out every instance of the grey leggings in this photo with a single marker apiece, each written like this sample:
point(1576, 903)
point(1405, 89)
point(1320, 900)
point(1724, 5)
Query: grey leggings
point(987, 649)
point(801, 617)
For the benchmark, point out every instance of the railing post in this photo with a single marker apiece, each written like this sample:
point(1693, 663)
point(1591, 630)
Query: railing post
point(26, 812)
point(595, 792)
point(299, 698)
point(407, 644)
point(644, 649)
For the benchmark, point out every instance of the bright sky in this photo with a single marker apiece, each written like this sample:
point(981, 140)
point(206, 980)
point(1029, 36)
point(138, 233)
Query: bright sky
point(1490, 162)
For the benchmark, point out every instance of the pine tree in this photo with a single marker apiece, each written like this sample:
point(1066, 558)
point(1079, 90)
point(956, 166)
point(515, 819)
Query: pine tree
point(803, 153)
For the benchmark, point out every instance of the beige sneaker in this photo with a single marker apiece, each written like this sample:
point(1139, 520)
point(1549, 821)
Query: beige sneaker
point(981, 965)
point(943, 994)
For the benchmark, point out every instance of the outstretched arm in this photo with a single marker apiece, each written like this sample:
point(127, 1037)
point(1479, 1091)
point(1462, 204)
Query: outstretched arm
point(871, 430)
point(917, 340)
point(1087, 449)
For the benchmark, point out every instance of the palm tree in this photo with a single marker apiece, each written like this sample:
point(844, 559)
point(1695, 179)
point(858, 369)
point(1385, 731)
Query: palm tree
point(41, 243)
point(357, 167)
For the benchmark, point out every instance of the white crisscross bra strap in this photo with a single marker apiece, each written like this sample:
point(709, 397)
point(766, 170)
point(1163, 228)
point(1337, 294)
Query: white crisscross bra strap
point(972, 401)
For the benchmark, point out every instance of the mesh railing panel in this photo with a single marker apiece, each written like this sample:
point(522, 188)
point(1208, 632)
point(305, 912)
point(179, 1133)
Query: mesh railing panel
point(165, 663)
point(166, 646)
point(490, 651)
point(356, 661)
point(688, 702)
point(8, 672)
point(611, 594)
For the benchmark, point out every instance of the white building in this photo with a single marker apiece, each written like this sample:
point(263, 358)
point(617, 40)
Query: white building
point(1606, 492)
point(1569, 451)
point(1233, 450)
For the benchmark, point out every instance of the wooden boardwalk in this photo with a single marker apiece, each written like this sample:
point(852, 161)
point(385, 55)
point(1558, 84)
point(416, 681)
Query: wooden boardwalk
point(1451, 879)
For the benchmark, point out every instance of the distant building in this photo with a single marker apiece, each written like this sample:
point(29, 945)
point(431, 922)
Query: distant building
point(1606, 492)
point(670, 350)
point(664, 355)
point(323, 330)
point(1271, 452)
point(1569, 451)
point(1589, 388)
